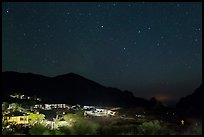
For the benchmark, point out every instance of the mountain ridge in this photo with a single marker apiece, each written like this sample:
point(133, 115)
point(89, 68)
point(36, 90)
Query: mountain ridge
point(192, 104)
point(69, 88)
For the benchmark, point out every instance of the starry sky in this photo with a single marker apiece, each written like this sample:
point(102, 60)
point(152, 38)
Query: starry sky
point(150, 49)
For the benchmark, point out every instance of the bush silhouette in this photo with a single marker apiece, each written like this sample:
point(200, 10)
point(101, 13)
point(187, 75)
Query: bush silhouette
point(84, 127)
point(39, 130)
point(65, 130)
point(150, 128)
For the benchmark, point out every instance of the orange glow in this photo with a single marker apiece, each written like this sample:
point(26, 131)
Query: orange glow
point(164, 98)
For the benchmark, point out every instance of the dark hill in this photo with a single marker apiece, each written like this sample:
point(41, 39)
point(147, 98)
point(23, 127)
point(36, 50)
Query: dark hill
point(69, 88)
point(191, 105)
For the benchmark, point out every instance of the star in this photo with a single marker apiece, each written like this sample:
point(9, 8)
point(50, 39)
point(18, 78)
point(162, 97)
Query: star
point(7, 11)
point(139, 31)
point(102, 26)
point(149, 28)
point(124, 48)
point(177, 5)
point(114, 4)
point(158, 44)
point(35, 46)
point(196, 40)
point(197, 29)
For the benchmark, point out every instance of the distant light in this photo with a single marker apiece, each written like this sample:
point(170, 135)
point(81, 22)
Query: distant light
point(182, 122)
point(102, 26)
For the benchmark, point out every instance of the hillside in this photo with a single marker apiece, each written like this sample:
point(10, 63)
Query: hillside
point(68, 88)
point(192, 104)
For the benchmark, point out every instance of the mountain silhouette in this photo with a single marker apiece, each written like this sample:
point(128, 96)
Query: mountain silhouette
point(68, 88)
point(191, 105)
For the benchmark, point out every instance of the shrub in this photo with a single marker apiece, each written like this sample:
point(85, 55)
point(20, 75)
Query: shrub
point(193, 131)
point(118, 130)
point(39, 130)
point(109, 130)
point(84, 127)
point(35, 117)
point(71, 118)
point(64, 130)
point(150, 128)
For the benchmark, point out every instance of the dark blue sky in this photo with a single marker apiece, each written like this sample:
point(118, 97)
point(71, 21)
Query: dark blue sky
point(151, 49)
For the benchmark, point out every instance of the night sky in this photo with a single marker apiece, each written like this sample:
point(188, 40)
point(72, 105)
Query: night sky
point(151, 49)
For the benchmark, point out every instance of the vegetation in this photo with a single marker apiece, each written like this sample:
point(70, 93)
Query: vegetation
point(16, 107)
point(65, 130)
point(35, 118)
point(72, 118)
point(150, 128)
point(196, 131)
point(39, 130)
point(5, 106)
point(80, 125)
point(84, 127)
point(155, 127)
point(193, 130)
point(128, 129)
